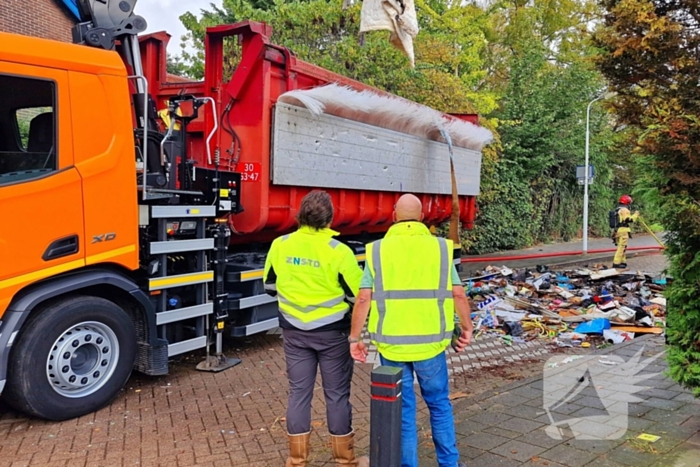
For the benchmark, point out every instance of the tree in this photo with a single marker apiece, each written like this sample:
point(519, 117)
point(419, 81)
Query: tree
point(651, 55)
point(559, 27)
point(540, 57)
point(542, 135)
point(175, 66)
point(449, 51)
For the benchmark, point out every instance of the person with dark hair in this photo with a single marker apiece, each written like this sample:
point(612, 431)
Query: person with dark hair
point(315, 279)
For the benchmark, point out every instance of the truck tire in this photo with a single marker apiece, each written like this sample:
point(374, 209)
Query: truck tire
point(70, 359)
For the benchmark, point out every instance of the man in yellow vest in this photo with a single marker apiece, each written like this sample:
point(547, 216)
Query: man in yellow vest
point(315, 279)
point(411, 289)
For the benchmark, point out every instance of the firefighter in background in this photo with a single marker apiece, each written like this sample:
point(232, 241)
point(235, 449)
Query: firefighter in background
point(621, 220)
point(316, 279)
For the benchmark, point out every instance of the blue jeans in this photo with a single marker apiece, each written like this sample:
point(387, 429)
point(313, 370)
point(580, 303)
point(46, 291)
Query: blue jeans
point(434, 387)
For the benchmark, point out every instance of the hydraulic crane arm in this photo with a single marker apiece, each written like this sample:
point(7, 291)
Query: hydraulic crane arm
point(112, 25)
point(105, 21)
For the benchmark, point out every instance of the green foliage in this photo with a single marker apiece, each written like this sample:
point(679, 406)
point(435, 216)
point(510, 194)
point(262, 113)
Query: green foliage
point(23, 127)
point(23, 118)
point(534, 196)
point(450, 66)
point(651, 55)
point(504, 218)
point(176, 66)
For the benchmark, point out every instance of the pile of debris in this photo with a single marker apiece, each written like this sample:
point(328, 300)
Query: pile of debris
point(578, 307)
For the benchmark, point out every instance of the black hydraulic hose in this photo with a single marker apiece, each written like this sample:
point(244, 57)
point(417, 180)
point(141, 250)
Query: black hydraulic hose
point(235, 150)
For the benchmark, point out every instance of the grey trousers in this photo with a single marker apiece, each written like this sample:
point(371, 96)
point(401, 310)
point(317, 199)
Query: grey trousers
point(305, 352)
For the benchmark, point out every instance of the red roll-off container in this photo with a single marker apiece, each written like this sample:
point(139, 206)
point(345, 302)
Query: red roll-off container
point(264, 73)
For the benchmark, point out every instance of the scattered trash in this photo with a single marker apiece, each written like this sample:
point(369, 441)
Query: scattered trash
point(513, 328)
point(458, 395)
point(565, 361)
point(572, 358)
point(648, 437)
point(617, 337)
point(602, 306)
point(607, 362)
point(597, 326)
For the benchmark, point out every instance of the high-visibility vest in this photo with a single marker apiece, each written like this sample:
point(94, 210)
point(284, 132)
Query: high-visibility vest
point(307, 263)
point(412, 310)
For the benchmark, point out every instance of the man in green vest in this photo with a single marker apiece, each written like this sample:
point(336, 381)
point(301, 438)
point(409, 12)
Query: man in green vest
point(315, 279)
point(411, 289)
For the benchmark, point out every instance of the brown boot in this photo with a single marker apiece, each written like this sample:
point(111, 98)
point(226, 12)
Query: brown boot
point(344, 451)
point(298, 450)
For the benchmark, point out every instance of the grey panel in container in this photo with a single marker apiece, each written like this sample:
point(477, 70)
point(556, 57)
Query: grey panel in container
point(332, 152)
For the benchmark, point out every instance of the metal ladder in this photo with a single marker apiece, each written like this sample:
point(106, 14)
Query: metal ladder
point(200, 277)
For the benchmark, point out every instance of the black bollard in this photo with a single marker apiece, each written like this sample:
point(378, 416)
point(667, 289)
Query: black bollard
point(385, 418)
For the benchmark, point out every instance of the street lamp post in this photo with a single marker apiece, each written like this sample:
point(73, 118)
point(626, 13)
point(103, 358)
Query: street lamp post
point(588, 171)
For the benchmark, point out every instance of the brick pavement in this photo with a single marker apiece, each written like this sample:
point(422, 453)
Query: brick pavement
point(508, 427)
point(231, 418)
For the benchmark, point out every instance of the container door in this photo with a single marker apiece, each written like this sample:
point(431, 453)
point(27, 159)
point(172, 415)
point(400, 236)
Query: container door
point(41, 208)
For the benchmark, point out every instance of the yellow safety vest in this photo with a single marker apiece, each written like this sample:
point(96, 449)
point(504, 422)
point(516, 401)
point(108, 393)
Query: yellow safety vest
point(412, 311)
point(307, 263)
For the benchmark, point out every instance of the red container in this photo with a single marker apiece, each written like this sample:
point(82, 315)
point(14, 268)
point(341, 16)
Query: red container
point(264, 73)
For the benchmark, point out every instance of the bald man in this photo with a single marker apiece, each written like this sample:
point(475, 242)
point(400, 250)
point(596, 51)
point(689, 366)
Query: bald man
point(408, 207)
point(410, 290)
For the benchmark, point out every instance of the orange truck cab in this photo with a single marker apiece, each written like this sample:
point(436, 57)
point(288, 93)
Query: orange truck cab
point(136, 212)
point(68, 197)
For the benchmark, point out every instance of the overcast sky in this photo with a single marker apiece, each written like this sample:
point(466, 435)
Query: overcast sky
point(162, 15)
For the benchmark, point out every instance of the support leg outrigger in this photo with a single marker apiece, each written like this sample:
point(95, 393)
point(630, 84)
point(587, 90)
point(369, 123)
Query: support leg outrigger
point(218, 362)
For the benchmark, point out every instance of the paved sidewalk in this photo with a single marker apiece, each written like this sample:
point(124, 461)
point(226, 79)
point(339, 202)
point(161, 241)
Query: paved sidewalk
point(509, 427)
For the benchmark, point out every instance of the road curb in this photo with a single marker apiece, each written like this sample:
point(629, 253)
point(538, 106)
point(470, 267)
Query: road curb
point(578, 262)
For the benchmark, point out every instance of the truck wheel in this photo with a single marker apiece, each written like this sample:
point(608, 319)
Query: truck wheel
point(71, 359)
